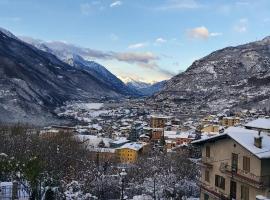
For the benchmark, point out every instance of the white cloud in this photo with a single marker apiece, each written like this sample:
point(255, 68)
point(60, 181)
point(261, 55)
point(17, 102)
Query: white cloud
point(160, 40)
point(201, 32)
point(215, 34)
point(137, 45)
point(116, 4)
point(198, 33)
point(241, 26)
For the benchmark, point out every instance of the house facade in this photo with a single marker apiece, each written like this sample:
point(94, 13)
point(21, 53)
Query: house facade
point(235, 165)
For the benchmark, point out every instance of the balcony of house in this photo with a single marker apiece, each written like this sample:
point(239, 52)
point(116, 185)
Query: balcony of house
point(212, 191)
point(259, 182)
point(207, 162)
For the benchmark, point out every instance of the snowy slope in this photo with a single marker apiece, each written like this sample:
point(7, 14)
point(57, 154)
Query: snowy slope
point(78, 57)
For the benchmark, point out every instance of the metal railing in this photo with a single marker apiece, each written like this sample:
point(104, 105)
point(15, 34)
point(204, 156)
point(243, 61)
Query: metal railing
point(245, 176)
point(206, 162)
point(213, 191)
point(8, 193)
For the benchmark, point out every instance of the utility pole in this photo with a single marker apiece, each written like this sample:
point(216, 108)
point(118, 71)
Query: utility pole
point(122, 175)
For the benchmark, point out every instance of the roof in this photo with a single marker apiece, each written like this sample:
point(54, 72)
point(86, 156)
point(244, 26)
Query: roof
point(176, 134)
point(159, 116)
point(102, 150)
point(120, 140)
point(132, 145)
point(261, 123)
point(92, 140)
point(245, 138)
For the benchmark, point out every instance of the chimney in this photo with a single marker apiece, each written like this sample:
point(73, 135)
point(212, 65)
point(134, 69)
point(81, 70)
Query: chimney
point(258, 140)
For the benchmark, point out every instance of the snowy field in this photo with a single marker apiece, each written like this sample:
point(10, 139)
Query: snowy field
point(82, 111)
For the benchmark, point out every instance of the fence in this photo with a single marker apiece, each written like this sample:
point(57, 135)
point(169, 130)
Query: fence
point(10, 191)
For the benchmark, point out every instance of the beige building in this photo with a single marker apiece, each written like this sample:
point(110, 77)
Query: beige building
point(210, 128)
point(230, 121)
point(235, 165)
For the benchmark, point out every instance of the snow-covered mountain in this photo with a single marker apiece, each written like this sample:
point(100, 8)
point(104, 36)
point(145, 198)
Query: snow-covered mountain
point(78, 57)
point(146, 89)
point(232, 77)
point(34, 82)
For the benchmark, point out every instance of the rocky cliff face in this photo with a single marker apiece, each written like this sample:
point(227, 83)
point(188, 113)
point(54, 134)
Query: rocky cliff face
point(231, 77)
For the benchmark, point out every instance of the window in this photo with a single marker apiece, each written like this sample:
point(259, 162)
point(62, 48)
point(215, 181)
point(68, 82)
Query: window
point(244, 192)
point(206, 197)
point(206, 176)
point(234, 162)
point(207, 151)
point(246, 164)
point(220, 182)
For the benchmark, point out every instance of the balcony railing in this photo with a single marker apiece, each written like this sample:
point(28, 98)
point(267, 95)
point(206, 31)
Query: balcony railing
point(217, 194)
point(245, 176)
point(207, 162)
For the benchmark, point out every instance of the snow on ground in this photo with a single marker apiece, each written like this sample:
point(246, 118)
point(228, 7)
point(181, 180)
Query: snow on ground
point(88, 106)
point(142, 197)
point(82, 111)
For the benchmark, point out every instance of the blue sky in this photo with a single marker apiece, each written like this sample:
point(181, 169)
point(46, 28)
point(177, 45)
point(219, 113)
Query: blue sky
point(151, 39)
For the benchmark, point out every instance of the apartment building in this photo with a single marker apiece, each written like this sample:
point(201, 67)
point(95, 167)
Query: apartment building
point(230, 121)
point(235, 165)
point(157, 125)
point(129, 152)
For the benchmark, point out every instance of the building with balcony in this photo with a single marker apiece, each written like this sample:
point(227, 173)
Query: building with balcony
point(235, 165)
point(230, 121)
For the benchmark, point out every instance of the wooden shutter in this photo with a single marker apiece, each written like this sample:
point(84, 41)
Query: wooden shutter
point(207, 151)
point(246, 163)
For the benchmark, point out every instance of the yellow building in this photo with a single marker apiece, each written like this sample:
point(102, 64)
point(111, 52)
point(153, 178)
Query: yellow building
point(208, 119)
point(230, 121)
point(129, 152)
point(210, 129)
point(235, 165)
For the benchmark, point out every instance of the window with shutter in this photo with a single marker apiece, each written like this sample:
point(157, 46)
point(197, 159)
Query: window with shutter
point(220, 182)
point(208, 151)
point(206, 176)
point(246, 164)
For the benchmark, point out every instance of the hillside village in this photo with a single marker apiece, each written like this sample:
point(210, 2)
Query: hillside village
point(93, 108)
point(231, 150)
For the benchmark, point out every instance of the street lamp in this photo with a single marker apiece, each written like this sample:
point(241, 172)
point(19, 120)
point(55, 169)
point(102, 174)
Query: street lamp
point(123, 173)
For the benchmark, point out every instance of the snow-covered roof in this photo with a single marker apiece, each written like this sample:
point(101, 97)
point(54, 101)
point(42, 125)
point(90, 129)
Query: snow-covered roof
point(245, 138)
point(261, 123)
point(132, 145)
point(120, 140)
point(92, 140)
point(159, 116)
point(176, 134)
point(102, 150)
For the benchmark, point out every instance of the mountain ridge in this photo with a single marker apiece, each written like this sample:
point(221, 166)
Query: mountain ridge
point(34, 82)
point(76, 56)
point(227, 78)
